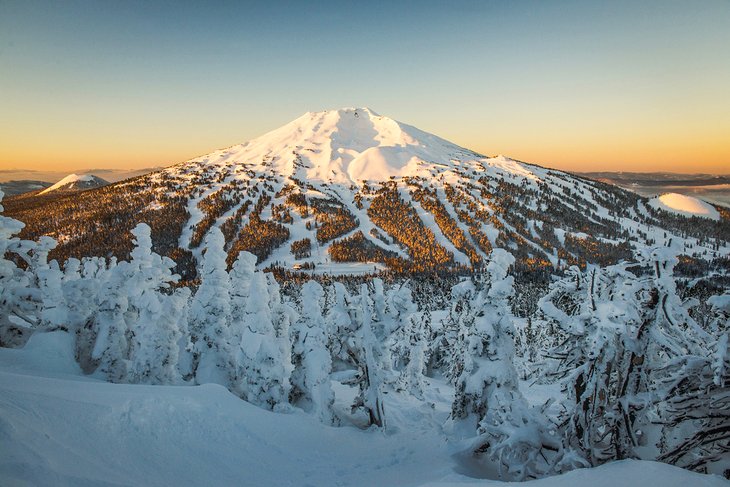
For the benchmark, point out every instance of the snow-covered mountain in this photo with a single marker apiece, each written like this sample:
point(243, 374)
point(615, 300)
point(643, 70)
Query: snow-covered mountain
point(350, 191)
point(346, 146)
point(76, 182)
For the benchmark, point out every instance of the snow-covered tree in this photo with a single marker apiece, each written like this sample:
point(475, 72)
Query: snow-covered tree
point(111, 346)
point(54, 312)
point(339, 319)
point(443, 354)
point(458, 323)
point(156, 313)
point(695, 411)
point(312, 362)
point(411, 377)
point(15, 315)
point(266, 375)
point(397, 332)
point(692, 384)
point(83, 289)
point(400, 305)
point(370, 379)
point(509, 432)
point(382, 323)
point(629, 335)
point(720, 321)
point(213, 357)
point(241, 275)
point(603, 386)
point(282, 316)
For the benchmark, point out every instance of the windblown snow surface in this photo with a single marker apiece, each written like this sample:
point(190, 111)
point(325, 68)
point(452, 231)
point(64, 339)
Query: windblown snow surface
point(59, 427)
point(684, 205)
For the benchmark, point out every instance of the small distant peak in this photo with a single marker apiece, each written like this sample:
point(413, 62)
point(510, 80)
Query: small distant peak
point(76, 182)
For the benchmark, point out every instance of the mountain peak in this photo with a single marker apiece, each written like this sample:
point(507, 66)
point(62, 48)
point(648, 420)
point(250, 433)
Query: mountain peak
point(351, 111)
point(346, 146)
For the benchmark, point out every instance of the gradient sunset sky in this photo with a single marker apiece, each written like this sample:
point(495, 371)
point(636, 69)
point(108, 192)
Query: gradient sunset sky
point(582, 86)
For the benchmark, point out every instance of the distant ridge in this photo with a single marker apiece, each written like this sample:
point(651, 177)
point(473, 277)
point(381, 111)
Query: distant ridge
point(16, 187)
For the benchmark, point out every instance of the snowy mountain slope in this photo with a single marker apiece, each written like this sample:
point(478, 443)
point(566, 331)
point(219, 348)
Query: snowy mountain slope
point(358, 189)
point(75, 182)
point(58, 427)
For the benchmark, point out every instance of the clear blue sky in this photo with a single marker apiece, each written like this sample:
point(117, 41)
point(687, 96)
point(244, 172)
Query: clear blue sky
point(576, 85)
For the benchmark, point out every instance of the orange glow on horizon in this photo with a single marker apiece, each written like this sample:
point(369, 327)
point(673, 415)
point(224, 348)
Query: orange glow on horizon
point(645, 153)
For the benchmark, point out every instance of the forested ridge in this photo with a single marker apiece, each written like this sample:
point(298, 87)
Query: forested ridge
point(547, 225)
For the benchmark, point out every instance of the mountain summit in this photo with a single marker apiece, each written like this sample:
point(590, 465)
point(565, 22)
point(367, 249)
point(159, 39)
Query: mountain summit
point(350, 191)
point(347, 146)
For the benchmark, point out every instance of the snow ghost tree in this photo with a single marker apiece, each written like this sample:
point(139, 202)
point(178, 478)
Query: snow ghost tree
point(693, 387)
point(156, 315)
point(266, 375)
point(370, 380)
point(241, 274)
point(415, 337)
point(312, 362)
point(83, 291)
point(111, 348)
point(213, 359)
point(596, 358)
point(509, 432)
point(282, 316)
point(441, 342)
point(398, 331)
point(628, 341)
point(54, 312)
point(342, 327)
point(15, 315)
point(449, 344)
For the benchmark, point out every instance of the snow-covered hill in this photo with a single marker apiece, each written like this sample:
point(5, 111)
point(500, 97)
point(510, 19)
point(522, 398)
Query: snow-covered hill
point(58, 427)
point(76, 182)
point(350, 191)
point(685, 205)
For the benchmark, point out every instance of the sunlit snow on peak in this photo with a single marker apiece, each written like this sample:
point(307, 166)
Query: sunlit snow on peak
point(352, 145)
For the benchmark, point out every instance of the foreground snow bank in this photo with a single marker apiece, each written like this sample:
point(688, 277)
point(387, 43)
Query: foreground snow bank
point(58, 427)
point(626, 473)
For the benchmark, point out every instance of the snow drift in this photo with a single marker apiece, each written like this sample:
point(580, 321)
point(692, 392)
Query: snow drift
point(58, 427)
